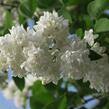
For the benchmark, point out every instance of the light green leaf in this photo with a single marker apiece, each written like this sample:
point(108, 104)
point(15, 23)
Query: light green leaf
point(7, 20)
point(102, 25)
point(96, 7)
point(40, 96)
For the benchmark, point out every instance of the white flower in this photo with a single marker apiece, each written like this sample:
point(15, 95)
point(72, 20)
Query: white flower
point(98, 49)
point(30, 79)
point(3, 62)
point(11, 50)
point(41, 63)
point(43, 54)
point(74, 61)
point(98, 74)
point(90, 37)
point(50, 25)
point(49, 52)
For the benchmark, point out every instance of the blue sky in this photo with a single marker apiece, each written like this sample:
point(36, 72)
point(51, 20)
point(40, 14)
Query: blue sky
point(6, 104)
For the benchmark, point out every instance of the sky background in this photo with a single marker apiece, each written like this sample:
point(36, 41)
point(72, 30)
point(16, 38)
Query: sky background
point(6, 104)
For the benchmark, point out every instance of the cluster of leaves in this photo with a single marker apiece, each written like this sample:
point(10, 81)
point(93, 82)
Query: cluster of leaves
point(82, 15)
point(66, 95)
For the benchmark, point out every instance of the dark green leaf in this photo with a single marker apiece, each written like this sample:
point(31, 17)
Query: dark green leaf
point(45, 3)
point(94, 56)
point(51, 87)
point(24, 11)
point(27, 7)
point(32, 5)
point(88, 21)
point(22, 19)
point(20, 82)
point(69, 2)
point(79, 32)
point(84, 88)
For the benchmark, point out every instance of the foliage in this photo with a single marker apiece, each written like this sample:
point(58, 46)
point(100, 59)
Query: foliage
point(20, 82)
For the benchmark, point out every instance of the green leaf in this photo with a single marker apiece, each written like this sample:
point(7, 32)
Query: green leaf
point(27, 7)
point(22, 19)
point(7, 20)
point(94, 56)
point(51, 87)
point(2, 30)
point(63, 103)
point(102, 25)
point(20, 82)
point(40, 96)
point(60, 103)
point(84, 88)
point(66, 14)
point(96, 7)
point(32, 5)
point(69, 2)
point(88, 22)
point(45, 3)
point(79, 32)
point(24, 11)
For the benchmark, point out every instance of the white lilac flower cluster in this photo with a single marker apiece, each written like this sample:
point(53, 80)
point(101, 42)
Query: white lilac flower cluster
point(47, 53)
